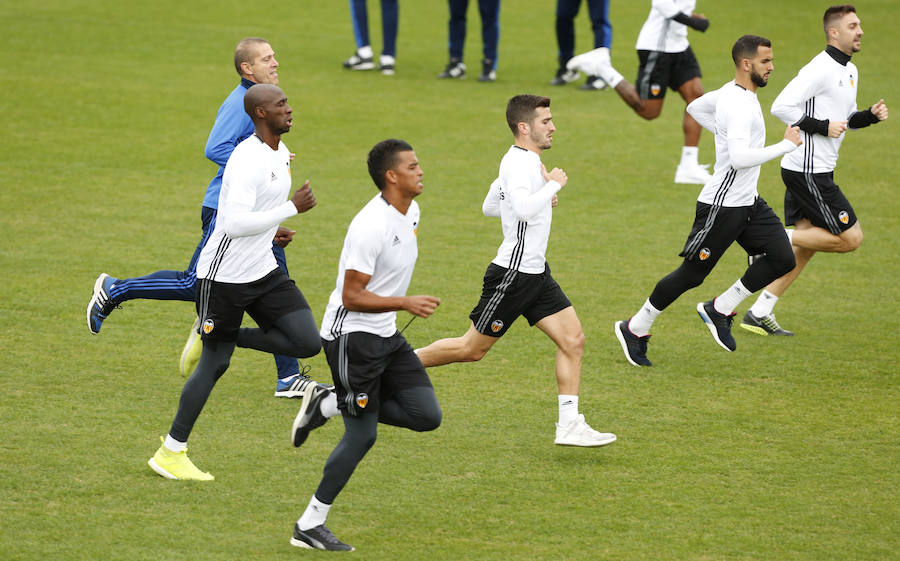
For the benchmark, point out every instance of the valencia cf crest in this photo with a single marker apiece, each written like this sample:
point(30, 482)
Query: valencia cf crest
point(844, 217)
point(208, 326)
point(654, 89)
point(496, 325)
point(362, 399)
point(704, 254)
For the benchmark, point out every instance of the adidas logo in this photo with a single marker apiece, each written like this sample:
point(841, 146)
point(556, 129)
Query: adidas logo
point(396, 240)
point(273, 176)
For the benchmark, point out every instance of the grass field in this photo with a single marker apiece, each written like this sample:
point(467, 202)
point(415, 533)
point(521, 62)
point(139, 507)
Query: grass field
point(785, 450)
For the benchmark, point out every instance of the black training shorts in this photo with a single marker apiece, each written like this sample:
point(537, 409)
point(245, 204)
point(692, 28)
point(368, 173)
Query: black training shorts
point(816, 197)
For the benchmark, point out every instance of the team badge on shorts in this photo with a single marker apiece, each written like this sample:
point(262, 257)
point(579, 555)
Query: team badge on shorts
point(654, 89)
point(362, 399)
point(704, 254)
point(496, 325)
point(208, 326)
point(844, 217)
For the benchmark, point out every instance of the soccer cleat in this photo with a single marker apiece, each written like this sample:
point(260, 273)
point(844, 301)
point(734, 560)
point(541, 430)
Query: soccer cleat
point(696, 174)
point(455, 69)
point(100, 305)
point(718, 324)
point(193, 348)
point(386, 65)
point(579, 433)
point(765, 325)
point(319, 537)
point(294, 386)
point(310, 415)
point(594, 83)
point(592, 62)
point(488, 74)
point(564, 76)
point(176, 465)
point(635, 347)
point(359, 62)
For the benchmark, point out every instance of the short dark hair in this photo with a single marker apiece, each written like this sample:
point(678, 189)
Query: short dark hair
point(383, 156)
point(521, 109)
point(747, 47)
point(835, 13)
point(246, 50)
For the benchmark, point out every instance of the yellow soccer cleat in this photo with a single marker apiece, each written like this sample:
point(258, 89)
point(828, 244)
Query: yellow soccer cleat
point(193, 348)
point(176, 465)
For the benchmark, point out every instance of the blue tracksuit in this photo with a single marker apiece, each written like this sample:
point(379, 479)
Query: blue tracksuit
point(232, 126)
point(566, 10)
point(490, 27)
point(389, 16)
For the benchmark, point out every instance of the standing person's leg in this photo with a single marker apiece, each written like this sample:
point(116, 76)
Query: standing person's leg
point(566, 10)
point(362, 58)
point(456, 34)
point(390, 15)
point(600, 25)
point(490, 37)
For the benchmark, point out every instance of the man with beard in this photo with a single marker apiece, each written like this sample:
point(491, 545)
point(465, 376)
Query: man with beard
point(518, 282)
point(728, 208)
point(237, 272)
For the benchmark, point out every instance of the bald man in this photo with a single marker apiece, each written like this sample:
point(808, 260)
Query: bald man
point(237, 272)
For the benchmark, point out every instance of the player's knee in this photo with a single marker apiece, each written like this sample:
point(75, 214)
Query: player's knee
point(648, 113)
point(305, 346)
point(573, 344)
point(428, 420)
point(783, 264)
point(851, 240)
point(473, 353)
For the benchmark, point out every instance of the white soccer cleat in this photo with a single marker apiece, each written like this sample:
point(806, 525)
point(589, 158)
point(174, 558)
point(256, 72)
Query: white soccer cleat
point(694, 174)
point(591, 62)
point(579, 433)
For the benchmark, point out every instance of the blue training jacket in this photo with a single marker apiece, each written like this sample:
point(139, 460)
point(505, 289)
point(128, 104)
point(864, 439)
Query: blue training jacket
point(232, 126)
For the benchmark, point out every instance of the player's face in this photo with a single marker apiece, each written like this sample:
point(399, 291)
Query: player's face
point(542, 128)
point(264, 67)
point(761, 66)
point(279, 115)
point(408, 173)
point(849, 33)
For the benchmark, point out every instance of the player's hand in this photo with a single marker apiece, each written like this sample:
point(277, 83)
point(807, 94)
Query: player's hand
point(554, 201)
point(793, 134)
point(303, 198)
point(422, 306)
point(291, 157)
point(283, 236)
point(836, 128)
point(880, 110)
point(555, 174)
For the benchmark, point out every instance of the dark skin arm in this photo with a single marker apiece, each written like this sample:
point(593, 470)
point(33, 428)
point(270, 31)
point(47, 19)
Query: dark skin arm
point(357, 299)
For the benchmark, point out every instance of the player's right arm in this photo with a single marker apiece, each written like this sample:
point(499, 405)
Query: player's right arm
point(491, 204)
point(356, 298)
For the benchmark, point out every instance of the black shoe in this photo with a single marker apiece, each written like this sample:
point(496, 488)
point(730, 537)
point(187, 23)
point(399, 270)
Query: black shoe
point(319, 537)
point(564, 76)
point(635, 347)
point(309, 416)
point(455, 69)
point(593, 83)
point(488, 74)
point(765, 325)
point(718, 324)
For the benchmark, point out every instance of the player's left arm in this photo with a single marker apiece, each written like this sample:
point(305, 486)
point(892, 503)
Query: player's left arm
point(703, 110)
point(861, 119)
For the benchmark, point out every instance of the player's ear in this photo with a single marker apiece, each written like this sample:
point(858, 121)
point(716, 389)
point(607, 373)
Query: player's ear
point(390, 176)
point(523, 128)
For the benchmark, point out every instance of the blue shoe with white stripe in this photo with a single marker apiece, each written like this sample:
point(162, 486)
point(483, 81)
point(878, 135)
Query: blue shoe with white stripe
point(101, 305)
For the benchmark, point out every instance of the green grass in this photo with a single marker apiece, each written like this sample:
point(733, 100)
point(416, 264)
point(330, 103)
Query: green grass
point(787, 449)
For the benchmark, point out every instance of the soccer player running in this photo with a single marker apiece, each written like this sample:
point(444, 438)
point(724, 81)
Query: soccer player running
point(238, 272)
point(666, 61)
point(255, 63)
point(821, 100)
point(728, 209)
point(518, 281)
point(377, 376)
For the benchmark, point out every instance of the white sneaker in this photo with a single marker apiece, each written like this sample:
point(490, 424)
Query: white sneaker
point(591, 62)
point(578, 433)
point(692, 174)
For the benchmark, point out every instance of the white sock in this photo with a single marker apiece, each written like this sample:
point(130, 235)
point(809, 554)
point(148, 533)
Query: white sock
point(174, 445)
point(640, 323)
point(314, 515)
point(364, 52)
point(731, 298)
point(764, 304)
point(689, 156)
point(568, 409)
point(790, 235)
point(329, 406)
